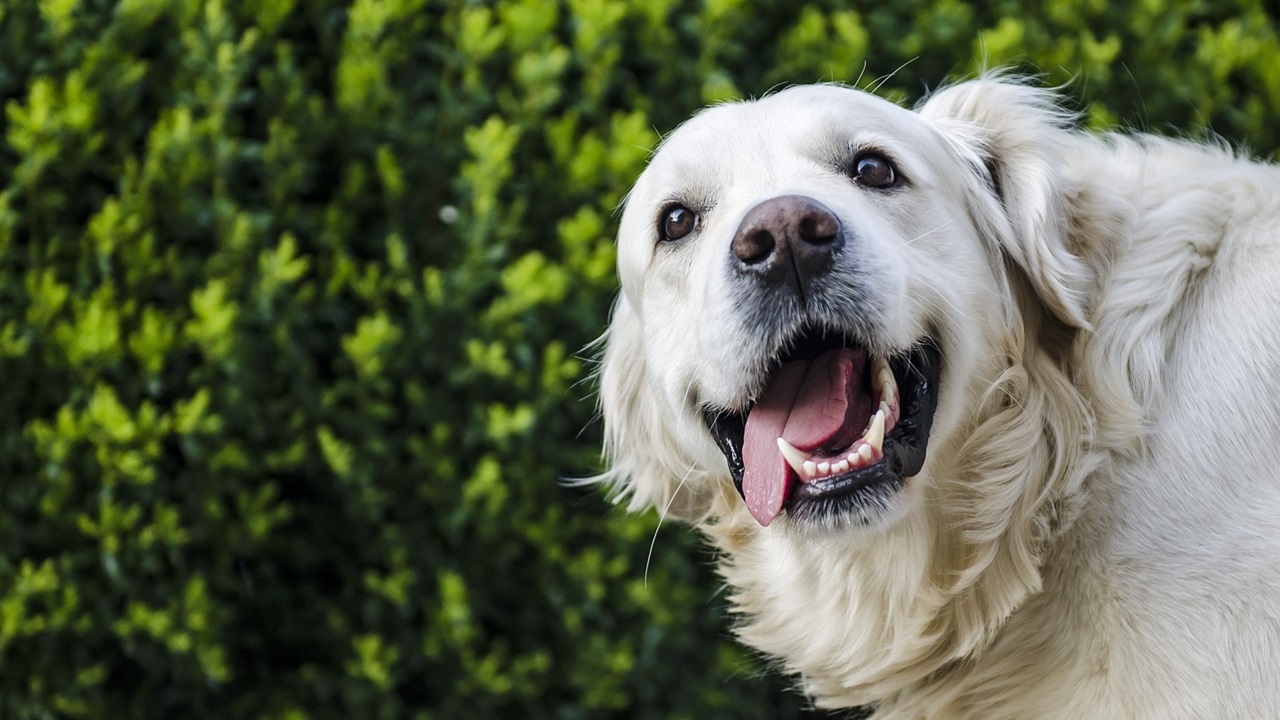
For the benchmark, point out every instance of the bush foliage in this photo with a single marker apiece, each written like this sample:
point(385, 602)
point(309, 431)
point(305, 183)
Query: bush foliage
point(295, 296)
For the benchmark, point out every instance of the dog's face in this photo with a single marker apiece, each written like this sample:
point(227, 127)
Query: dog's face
point(812, 297)
point(842, 349)
point(798, 265)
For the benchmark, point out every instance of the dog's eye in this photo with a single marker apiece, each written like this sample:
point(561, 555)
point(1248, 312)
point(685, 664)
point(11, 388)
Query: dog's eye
point(677, 222)
point(874, 171)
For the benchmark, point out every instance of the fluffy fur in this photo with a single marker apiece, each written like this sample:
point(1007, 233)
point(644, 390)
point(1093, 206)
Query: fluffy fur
point(1096, 530)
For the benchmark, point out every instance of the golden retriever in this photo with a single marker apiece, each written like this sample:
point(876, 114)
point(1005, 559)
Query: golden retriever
point(981, 411)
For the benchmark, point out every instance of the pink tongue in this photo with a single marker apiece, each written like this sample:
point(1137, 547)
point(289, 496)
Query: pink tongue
point(808, 403)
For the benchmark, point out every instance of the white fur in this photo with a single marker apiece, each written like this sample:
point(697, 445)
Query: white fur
point(1096, 531)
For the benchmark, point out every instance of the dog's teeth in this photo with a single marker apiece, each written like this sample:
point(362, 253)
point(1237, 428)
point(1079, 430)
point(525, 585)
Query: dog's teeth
point(875, 433)
point(794, 457)
point(879, 366)
point(883, 375)
point(870, 446)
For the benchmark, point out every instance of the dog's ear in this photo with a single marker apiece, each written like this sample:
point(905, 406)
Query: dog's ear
point(1015, 138)
point(638, 447)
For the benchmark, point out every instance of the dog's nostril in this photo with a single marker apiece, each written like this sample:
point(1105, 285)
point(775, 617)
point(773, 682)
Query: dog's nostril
point(819, 228)
point(754, 246)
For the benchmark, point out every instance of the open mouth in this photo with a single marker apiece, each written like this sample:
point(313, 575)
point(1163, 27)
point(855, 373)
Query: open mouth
point(835, 431)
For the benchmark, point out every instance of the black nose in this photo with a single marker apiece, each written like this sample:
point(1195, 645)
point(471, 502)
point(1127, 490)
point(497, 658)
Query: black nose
point(786, 240)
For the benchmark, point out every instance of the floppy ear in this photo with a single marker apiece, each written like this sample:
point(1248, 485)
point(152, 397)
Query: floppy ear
point(641, 454)
point(1016, 138)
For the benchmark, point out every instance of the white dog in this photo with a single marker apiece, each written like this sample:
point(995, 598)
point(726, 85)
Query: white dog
point(981, 412)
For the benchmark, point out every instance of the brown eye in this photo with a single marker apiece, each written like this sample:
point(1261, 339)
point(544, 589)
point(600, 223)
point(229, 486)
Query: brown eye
point(874, 171)
point(677, 222)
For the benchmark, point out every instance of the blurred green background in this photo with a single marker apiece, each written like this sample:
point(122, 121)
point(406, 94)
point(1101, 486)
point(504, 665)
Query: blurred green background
point(294, 298)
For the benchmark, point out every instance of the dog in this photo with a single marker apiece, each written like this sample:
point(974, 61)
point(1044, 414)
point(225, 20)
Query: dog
point(980, 410)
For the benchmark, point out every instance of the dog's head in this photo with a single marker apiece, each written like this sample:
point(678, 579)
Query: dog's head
point(844, 322)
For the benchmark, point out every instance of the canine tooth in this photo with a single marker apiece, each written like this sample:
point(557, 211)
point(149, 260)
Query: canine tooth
point(794, 457)
point(824, 468)
point(810, 468)
point(875, 433)
point(884, 407)
point(881, 369)
point(884, 377)
point(880, 366)
point(888, 389)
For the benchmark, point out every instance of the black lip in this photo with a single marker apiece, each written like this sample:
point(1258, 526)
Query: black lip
point(905, 447)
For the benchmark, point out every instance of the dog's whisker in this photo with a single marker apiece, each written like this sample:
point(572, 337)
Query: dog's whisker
point(933, 302)
point(663, 516)
point(886, 78)
point(929, 232)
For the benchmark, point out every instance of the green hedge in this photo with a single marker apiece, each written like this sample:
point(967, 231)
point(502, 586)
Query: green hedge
point(294, 300)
